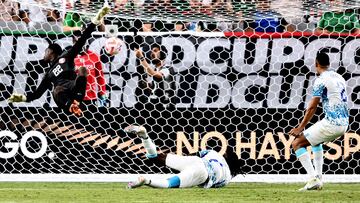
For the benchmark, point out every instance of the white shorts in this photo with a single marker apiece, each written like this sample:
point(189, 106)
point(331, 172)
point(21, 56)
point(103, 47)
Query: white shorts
point(323, 131)
point(192, 169)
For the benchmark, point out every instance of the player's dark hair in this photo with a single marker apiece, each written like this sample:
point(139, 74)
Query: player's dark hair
point(56, 49)
point(163, 50)
point(323, 59)
point(235, 164)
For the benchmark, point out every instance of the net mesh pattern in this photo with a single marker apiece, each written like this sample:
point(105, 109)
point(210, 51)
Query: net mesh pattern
point(241, 89)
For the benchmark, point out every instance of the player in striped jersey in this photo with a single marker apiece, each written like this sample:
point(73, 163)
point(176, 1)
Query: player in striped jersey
point(209, 169)
point(330, 89)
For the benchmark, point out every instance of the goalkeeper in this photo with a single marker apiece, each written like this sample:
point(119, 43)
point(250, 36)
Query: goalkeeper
point(208, 170)
point(68, 87)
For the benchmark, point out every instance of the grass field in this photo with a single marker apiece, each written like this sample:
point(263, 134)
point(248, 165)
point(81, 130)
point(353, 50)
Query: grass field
point(116, 192)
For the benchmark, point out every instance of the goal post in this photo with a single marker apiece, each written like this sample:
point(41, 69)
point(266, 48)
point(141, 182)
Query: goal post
point(239, 89)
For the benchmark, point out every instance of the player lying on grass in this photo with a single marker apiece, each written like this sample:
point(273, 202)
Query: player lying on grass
point(68, 87)
point(329, 87)
point(208, 169)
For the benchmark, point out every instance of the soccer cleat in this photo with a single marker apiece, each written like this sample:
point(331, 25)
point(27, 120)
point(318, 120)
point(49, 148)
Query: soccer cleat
point(138, 183)
point(313, 184)
point(137, 130)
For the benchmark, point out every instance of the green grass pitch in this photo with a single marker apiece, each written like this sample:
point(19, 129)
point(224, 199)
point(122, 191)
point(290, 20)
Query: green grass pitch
point(116, 192)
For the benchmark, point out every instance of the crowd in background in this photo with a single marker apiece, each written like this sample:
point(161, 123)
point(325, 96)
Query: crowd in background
point(214, 15)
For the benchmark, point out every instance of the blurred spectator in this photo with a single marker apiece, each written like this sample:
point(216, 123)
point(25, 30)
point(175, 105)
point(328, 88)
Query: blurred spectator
point(267, 20)
point(9, 11)
point(147, 26)
point(238, 26)
point(161, 77)
point(33, 14)
point(181, 6)
point(293, 14)
point(73, 21)
point(304, 23)
point(340, 22)
point(127, 4)
point(195, 26)
point(180, 26)
point(53, 16)
point(241, 9)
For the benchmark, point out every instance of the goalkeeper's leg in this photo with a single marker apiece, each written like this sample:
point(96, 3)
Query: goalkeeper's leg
point(69, 96)
point(79, 87)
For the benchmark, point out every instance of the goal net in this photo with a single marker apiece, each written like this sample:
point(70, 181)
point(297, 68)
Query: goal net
point(240, 82)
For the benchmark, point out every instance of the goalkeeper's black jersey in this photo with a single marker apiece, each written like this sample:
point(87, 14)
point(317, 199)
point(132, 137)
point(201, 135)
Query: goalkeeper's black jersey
point(62, 70)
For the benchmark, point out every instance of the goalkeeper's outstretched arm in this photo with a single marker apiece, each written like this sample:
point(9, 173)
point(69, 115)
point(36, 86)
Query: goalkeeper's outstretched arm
point(76, 49)
point(44, 85)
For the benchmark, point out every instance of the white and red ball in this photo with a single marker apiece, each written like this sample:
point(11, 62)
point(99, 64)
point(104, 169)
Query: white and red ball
point(113, 45)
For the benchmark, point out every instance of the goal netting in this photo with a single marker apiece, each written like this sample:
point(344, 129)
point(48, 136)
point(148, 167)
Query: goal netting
point(235, 86)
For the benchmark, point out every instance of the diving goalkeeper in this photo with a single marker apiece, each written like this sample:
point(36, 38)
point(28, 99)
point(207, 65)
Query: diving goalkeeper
point(68, 87)
point(209, 169)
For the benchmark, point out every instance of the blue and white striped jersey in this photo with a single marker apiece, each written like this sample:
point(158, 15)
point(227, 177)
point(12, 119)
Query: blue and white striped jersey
point(218, 169)
point(331, 87)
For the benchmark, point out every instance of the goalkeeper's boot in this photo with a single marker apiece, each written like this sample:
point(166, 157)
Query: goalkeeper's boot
point(313, 184)
point(137, 130)
point(138, 183)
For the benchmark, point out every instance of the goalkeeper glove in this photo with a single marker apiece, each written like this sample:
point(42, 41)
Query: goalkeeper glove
point(17, 98)
point(103, 100)
point(75, 109)
point(100, 15)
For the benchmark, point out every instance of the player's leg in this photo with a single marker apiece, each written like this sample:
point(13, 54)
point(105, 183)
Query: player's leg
point(64, 100)
point(314, 136)
point(299, 145)
point(173, 182)
point(170, 160)
point(192, 169)
point(141, 132)
point(322, 132)
point(193, 173)
point(152, 154)
point(318, 159)
point(80, 83)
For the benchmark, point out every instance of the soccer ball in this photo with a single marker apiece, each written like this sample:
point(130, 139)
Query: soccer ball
point(113, 45)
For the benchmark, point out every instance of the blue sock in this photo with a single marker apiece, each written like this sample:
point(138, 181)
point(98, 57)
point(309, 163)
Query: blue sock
point(174, 182)
point(317, 148)
point(318, 159)
point(305, 160)
point(301, 151)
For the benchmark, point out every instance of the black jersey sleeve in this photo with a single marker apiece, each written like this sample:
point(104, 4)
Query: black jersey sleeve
point(44, 85)
point(76, 49)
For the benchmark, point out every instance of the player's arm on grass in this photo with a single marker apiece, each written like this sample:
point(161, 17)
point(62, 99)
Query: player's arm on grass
point(44, 85)
point(157, 74)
